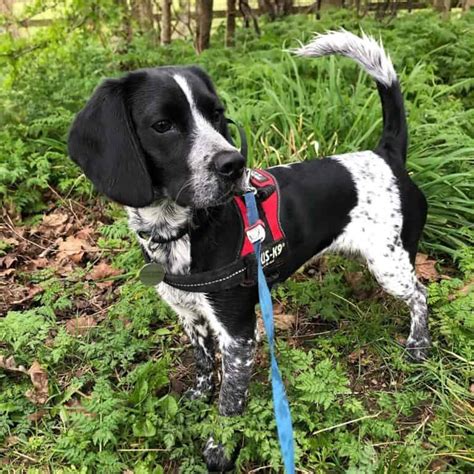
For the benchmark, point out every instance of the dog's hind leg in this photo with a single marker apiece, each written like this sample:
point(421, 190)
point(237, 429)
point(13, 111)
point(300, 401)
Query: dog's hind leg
point(395, 273)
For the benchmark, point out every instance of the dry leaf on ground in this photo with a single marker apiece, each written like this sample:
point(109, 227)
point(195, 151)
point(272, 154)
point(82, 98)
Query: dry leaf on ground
point(426, 267)
point(102, 270)
point(37, 415)
point(81, 325)
point(32, 291)
point(7, 261)
point(281, 319)
point(355, 355)
point(8, 363)
point(39, 394)
point(85, 233)
point(71, 248)
point(284, 320)
point(54, 220)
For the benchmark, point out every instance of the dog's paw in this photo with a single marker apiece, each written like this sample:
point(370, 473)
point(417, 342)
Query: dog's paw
point(418, 349)
point(216, 458)
point(195, 393)
point(202, 390)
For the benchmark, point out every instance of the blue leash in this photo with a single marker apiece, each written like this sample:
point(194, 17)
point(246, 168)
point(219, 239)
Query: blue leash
point(280, 402)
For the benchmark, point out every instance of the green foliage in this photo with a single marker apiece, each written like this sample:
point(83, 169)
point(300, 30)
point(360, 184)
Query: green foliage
point(115, 392)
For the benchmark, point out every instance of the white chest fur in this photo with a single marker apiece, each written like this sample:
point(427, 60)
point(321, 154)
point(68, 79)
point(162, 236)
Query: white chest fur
point(164, 220)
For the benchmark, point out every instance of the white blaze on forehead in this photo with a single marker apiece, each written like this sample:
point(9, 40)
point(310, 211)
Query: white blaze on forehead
point(183, 83)
point(207, 142)
point(203, 129)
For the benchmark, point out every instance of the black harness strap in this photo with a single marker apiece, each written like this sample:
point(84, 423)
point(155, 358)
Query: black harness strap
point(223, 278)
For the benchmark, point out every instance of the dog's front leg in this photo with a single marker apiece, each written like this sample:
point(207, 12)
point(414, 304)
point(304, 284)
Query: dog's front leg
point(238, 353)
point(201, 338)
point(237, 363)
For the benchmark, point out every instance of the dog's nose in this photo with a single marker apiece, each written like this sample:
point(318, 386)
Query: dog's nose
point(230, 164)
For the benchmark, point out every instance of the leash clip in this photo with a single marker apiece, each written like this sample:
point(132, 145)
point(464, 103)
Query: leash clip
point(247, 187)
point(256, 232)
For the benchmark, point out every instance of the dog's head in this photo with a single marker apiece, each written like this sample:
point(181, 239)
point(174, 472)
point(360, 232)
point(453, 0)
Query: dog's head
point(157, 133)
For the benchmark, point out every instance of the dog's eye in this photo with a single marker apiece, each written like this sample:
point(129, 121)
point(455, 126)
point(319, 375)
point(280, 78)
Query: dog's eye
point(216, 115)
point(162, 126)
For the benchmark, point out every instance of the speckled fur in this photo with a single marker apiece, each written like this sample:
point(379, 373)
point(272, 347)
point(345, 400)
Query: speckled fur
point(371, 195)
point(374, 232)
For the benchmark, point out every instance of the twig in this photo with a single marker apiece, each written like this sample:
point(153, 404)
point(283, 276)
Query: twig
point(25, 456)
point(455, 455)
point(346, 423)
point(307, 335)
point(11, 226)
point(142, 450)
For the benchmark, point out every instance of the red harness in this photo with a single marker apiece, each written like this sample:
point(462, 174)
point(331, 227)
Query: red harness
point(268, 198)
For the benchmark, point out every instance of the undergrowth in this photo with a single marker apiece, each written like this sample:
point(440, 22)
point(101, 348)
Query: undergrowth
point(115, 399)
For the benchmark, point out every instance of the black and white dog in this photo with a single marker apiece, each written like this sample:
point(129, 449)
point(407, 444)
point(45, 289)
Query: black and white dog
point(156, 141)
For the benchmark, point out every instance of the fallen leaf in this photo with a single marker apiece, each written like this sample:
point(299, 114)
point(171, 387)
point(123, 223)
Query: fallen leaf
point(103, 270)
point(7, 261)
point(11, 441)
point(38, 263)
point(10, 241)
point(76, 406)
point(81, 325)
point(354, 279)
point(72, 248)
point(39, 378)
point(467, 288)
point(85, 233)
point(426, 267)
point(7, 272)
point(54, 220)
point(439, 464)
point(36, 416)
point(355, 355)
point(401, 340)
point(8, 363)
point(284, 321)
point(281, 319)
point(32, 292)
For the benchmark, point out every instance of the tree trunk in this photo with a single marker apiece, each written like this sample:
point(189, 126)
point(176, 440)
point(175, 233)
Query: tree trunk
point(126, 30)
point(287, 7)
point(230, 24)
point(447, 9)
point(333, 3)
point(203, 24)
point(442, 6)
point(467, 5)
point(165, 21)
point(6, 9)
point(142, 13)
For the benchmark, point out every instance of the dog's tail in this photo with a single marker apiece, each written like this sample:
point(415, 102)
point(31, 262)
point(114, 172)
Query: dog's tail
point(371, 56)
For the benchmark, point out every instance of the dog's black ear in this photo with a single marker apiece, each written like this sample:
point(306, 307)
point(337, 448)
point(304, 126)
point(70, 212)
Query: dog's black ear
point(102, 141)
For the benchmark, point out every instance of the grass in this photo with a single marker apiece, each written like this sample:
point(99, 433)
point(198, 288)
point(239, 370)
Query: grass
point(114, 356)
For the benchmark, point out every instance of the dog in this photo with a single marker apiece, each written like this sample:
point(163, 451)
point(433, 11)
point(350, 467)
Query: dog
point(157, 141)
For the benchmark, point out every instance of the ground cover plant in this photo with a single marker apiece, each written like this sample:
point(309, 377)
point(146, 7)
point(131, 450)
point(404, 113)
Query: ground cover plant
point(93, 366)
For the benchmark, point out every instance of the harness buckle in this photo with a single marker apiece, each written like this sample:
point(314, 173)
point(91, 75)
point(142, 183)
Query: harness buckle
point(256, 232)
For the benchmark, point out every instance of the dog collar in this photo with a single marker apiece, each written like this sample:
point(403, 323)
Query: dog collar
point(161, 240)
